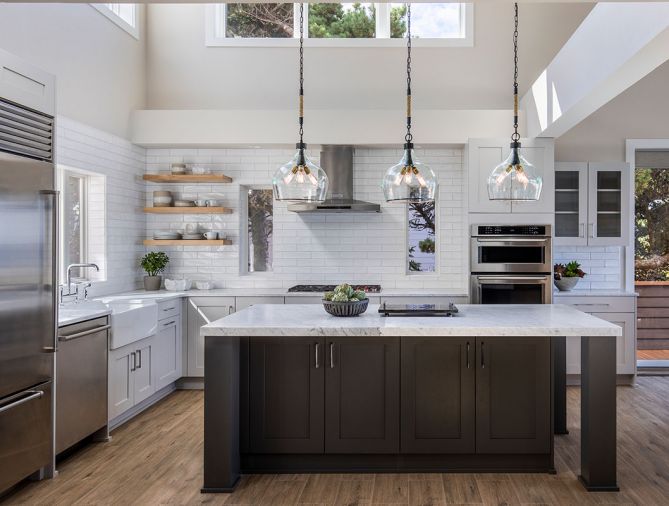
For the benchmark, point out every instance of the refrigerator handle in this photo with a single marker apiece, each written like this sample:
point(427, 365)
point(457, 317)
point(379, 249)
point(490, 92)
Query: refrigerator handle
point(54, 265)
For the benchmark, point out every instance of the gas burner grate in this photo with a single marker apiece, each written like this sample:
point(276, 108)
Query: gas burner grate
point(329, 288)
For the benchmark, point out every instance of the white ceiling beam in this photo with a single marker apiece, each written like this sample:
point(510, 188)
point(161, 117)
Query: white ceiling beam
point(615, 46)
point(208, 128)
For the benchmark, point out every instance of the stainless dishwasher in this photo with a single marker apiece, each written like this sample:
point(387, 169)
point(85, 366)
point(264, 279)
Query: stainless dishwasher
point(81, 381)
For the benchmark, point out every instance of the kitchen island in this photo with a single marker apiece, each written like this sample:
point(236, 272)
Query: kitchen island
point(293, 389)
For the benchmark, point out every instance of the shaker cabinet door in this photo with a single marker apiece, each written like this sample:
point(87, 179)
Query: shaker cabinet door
point(513, 395)
point(438, 389)
point(286, 406)
point(199, 315)
point(167, 352)
point(362, 382)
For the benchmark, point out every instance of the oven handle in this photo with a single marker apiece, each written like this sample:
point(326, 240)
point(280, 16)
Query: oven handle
point(538, 280)
point(511, 242)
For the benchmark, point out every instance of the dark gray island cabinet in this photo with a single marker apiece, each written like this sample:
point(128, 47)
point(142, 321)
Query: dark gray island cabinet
point(283, 397)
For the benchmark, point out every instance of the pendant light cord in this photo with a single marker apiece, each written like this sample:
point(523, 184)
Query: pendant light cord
point(515, 137)
point(301, 73)
point(408, 137)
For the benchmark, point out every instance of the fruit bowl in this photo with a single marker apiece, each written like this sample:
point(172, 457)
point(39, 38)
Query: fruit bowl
point(353, 308)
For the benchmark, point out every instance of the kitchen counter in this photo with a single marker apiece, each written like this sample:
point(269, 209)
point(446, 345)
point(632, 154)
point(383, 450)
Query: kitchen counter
point(289, 388)
point(473, 320)
point(72, 312)
point(595, 293)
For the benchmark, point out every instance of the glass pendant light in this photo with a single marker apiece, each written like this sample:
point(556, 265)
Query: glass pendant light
point(515, 178)
point(409, 180)
point(300, 179)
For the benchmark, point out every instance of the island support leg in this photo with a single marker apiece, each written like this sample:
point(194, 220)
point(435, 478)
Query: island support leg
point(598, 413)
point(221, 414)
point(560, 385)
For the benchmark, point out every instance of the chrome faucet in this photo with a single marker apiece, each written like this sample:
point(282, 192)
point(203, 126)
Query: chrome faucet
point(69, 279)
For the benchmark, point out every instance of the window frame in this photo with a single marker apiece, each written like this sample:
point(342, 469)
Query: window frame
point(130, 28)
point(62, 173)
point(215, 26)
point(437, 248)
point(244, 232)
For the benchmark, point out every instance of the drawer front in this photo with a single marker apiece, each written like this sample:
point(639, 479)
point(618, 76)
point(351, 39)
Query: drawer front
point(69, 330)
point(598, 304)
point(214, 301)
point(244, 302)
point(169, 309)
point(25, 434)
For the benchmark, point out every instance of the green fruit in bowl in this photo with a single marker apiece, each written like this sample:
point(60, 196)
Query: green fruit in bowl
point(344, 288)
point(360, 295)
point(328, 296)
point(340, 297)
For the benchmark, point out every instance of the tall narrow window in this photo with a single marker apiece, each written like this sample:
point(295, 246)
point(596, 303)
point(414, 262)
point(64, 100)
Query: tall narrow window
point(421, 237)
point(124, 15)
point(260, 223)
point(73, 218)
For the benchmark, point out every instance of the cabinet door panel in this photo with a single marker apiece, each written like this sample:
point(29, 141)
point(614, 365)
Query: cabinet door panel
point(286, 395)
point(197, 317)
point(513, 395)
point(121, 390)
point(571, 203)
point(144, 381)
point(438, 395)
point(167, 353)
point(608, 206)
point(361, 395)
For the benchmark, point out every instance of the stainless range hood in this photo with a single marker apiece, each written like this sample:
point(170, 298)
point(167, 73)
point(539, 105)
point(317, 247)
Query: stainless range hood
point(337, 162)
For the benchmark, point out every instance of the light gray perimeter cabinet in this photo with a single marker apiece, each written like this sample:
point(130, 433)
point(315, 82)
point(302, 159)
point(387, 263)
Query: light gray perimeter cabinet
point(201, 311)
point(592, 204)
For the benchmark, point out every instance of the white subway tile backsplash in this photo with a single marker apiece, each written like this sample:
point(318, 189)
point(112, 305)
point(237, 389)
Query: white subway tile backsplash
point(602, 264)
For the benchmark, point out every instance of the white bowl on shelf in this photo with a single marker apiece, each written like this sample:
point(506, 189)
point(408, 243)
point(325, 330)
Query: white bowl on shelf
point(177, 285)
point(204, 285)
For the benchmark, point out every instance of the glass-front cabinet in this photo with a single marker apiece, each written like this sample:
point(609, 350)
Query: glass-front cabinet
point(592, 204)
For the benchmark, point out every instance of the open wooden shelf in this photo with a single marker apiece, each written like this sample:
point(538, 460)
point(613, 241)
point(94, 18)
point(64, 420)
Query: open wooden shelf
point(188, 210)
point(187, 178)
point(185, 242)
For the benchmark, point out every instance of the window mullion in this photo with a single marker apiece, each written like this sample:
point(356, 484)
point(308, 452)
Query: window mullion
point(382, 20)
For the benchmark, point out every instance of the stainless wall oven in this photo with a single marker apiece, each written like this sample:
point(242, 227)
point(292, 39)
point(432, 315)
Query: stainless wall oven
point(511, 264)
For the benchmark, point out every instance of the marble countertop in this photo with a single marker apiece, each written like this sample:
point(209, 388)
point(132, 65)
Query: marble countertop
point(71, 313)
point(282, 292)
point(473, 320)
point(595, 293)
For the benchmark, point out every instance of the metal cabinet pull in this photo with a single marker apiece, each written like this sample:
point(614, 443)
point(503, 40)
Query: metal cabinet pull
point(482, 355)
point(591, 230)
point(139, 352)
point(169, 323)
point(318, 364)
point(83, 333)
point(32, 394)
point(231, 309)
point(134, 362)
point(581, 230)
point(169, 309)
point(331, 355)
point(467, 355)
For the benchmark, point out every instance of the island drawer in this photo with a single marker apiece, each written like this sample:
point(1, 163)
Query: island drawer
point(589, 304)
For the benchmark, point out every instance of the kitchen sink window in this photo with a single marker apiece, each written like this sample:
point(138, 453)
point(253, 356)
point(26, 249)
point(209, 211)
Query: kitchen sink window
point(124, 15)
point(421, 237)
point(258, 247)
point(347, 24)
point(82, 223)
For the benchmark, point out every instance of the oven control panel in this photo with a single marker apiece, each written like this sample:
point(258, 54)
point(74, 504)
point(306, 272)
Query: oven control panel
point(518, 230)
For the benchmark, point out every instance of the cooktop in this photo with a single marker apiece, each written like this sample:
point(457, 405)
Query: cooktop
point(329, 288)
point(418, 309)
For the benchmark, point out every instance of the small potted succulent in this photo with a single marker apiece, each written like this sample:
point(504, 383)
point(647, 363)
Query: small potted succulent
point(154, 264)
point(566, 277)
point(345, 301)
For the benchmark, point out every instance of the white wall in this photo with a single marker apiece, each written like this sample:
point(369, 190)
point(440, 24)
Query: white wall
point(362, 248)
point(184, 74)
point(99, 68)
point(122, 164)
point(640, 112)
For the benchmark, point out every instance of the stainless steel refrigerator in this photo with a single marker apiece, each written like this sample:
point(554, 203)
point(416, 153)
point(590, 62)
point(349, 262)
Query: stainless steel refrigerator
point(28, 305)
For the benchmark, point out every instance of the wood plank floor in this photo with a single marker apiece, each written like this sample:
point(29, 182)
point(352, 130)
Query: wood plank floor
point(157, 459)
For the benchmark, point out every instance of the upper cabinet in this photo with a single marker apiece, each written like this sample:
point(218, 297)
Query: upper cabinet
point(592, 204)
point(483, 155)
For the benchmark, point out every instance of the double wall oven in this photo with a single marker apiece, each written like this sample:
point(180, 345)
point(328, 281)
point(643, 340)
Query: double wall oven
point(511, 264)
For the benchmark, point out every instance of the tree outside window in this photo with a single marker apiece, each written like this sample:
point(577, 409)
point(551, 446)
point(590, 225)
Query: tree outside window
point(260, 227)
point(652, 225)
point(422, 235)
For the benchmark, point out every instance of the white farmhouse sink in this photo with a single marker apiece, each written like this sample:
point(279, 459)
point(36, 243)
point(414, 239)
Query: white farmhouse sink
point(131, 320)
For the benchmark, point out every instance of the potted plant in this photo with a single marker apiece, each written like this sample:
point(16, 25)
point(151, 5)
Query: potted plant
point(566, 276)
point(154, 263)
